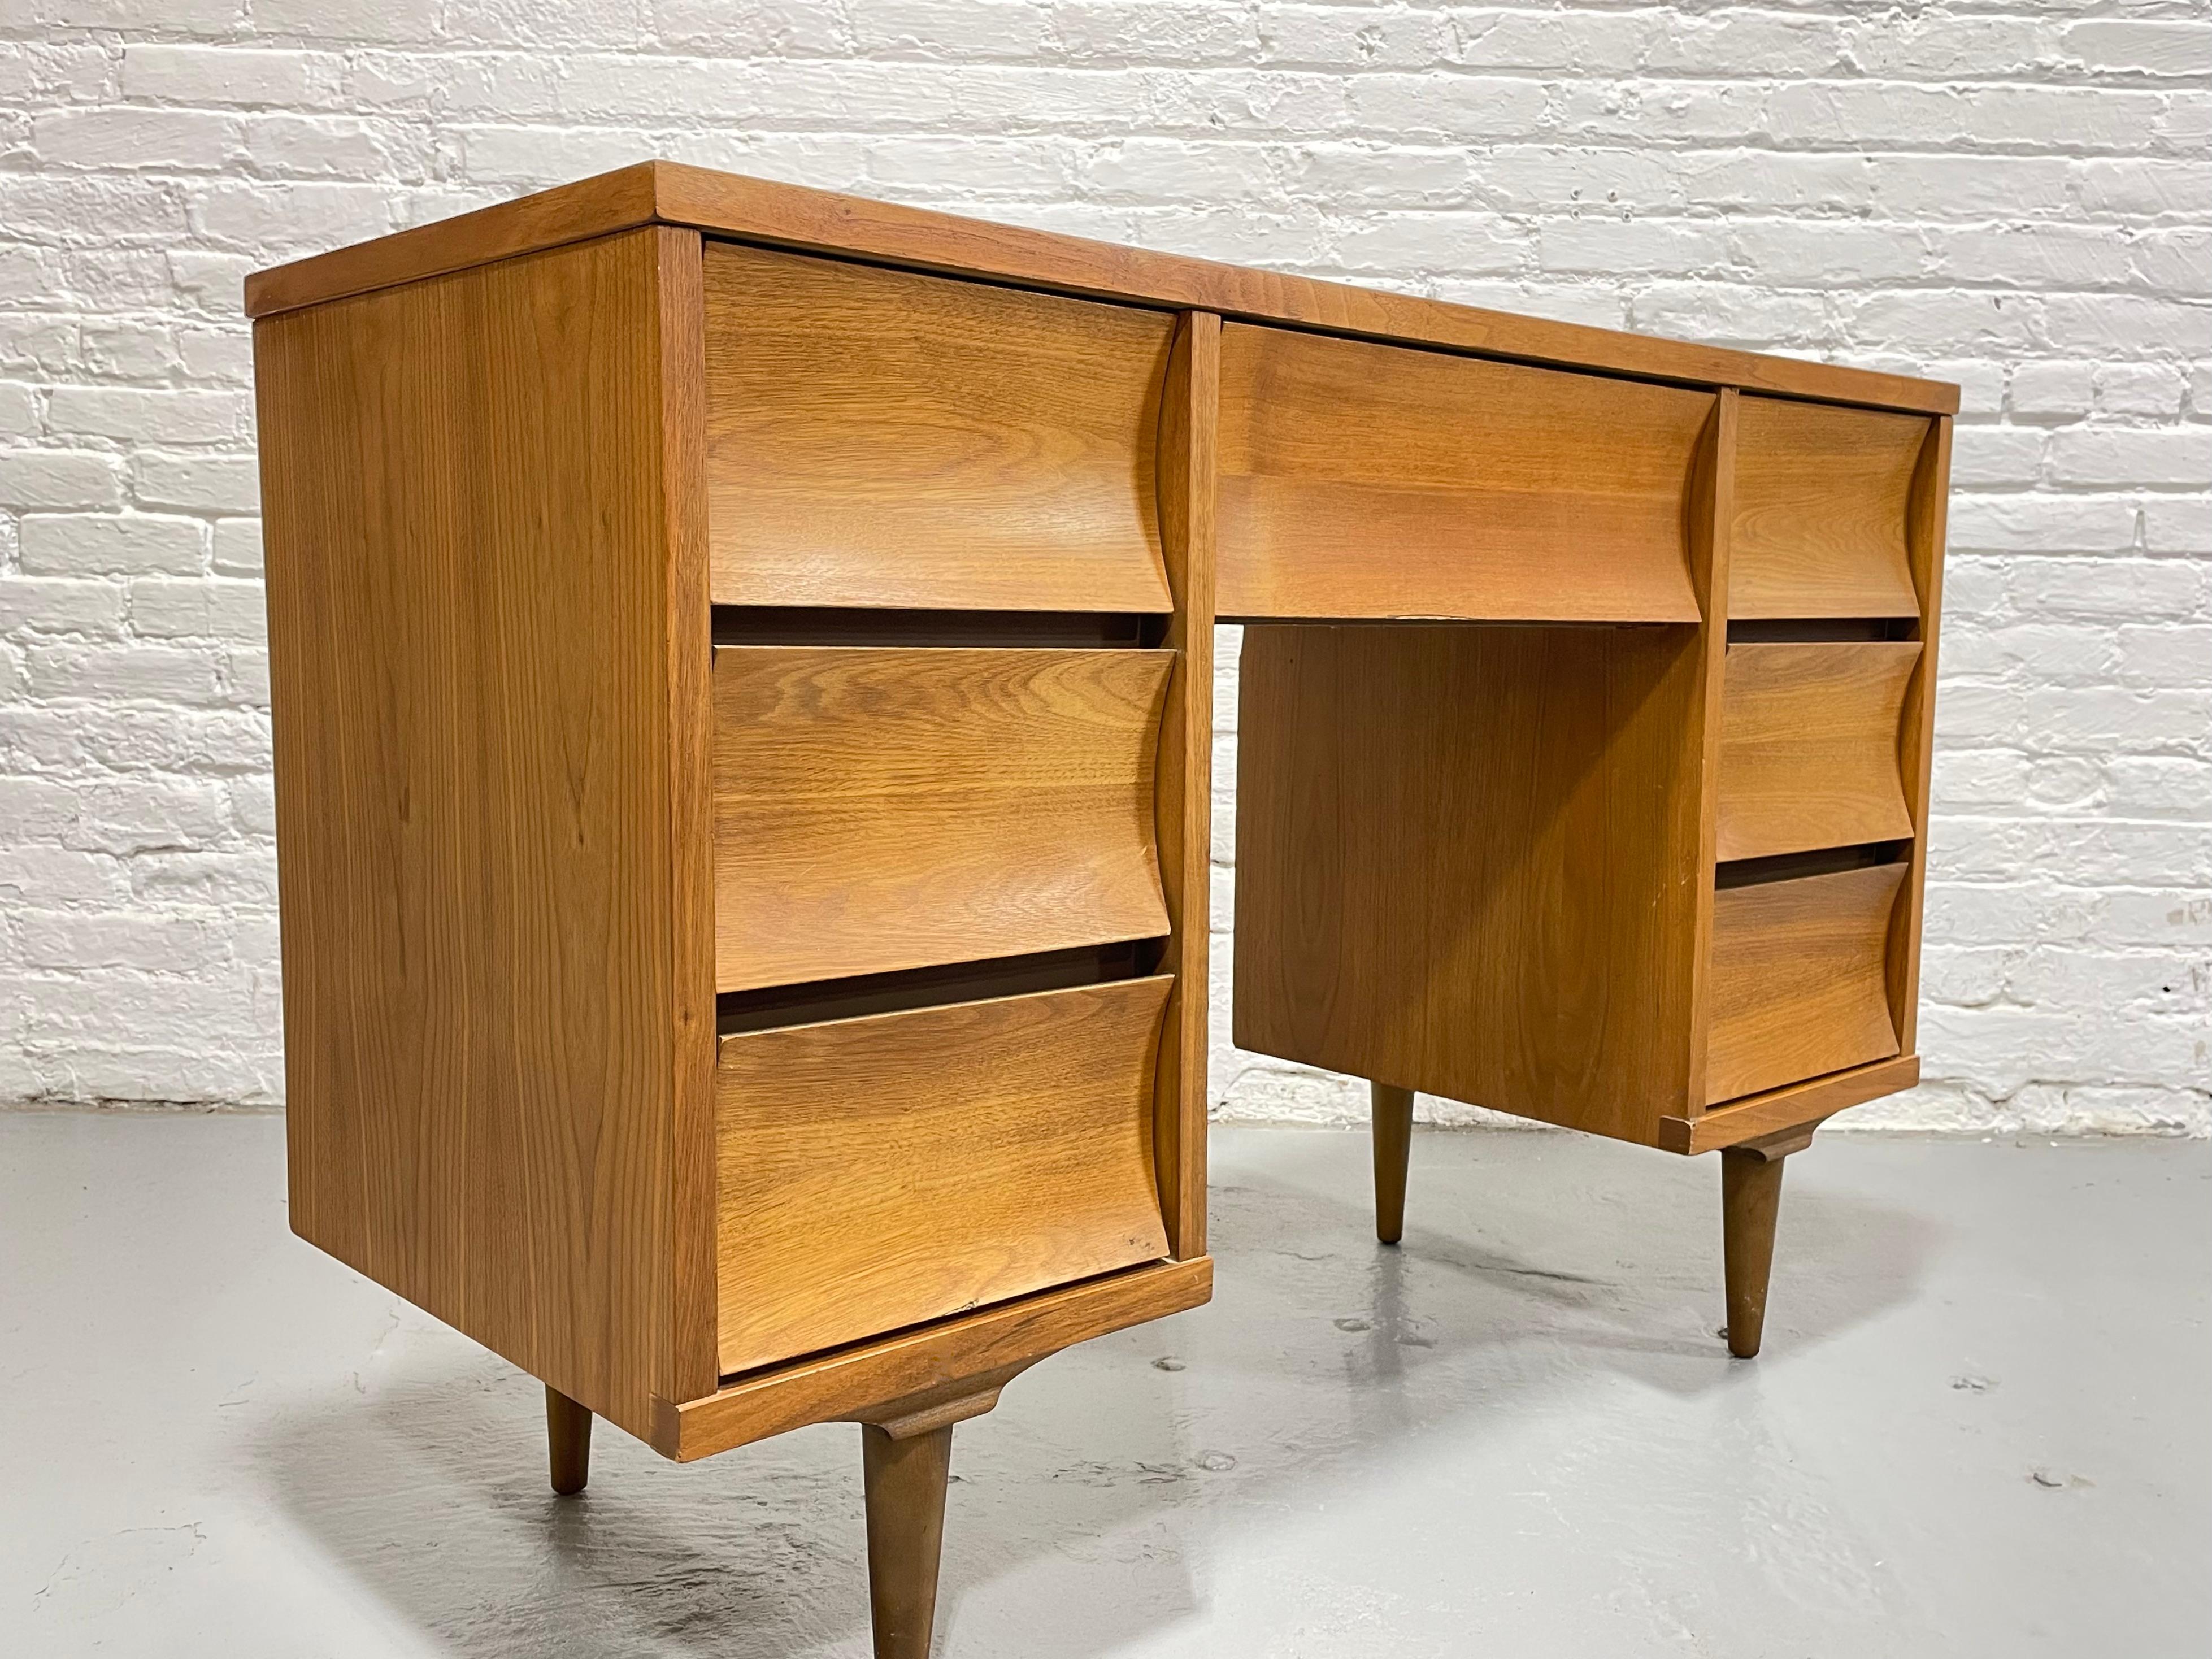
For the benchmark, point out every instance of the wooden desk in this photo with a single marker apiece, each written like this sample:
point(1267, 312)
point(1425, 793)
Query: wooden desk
point(742, 669)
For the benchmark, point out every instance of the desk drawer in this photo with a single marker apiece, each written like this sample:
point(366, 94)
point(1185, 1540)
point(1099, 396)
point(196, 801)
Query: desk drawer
point(1808, 753)
point(880, 809)
point(885, 438)
point(1359, 480)
point(1798, 985)
point(875, 1173)
point(1821, 499)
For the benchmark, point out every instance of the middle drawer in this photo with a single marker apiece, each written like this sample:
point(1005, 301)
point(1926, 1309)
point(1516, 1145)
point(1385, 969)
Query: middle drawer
point(1808, 753)
point(878, 809)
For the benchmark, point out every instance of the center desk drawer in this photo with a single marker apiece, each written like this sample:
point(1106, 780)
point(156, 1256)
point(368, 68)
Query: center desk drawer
point(877, 810)
point(1799, 983)
point(1809, 756)
point(878, 1172)
point(1362, 480)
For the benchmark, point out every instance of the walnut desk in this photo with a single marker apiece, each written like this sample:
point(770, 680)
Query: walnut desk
point(742, 671)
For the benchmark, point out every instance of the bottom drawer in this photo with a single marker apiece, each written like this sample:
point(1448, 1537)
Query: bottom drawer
point(874, 1173)
point(1798, 986)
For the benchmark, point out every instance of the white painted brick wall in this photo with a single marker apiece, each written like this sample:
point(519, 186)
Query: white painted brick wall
point(2017, 194)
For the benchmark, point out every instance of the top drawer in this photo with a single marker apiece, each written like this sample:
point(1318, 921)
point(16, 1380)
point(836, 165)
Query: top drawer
point(881, 438)
point(1821, 498)
point(1361, 480)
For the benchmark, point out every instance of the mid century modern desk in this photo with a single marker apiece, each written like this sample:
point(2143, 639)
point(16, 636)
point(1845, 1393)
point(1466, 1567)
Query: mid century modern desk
point(742, 666)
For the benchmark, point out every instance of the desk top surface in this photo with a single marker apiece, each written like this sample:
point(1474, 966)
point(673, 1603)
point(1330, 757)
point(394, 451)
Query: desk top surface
point(824, 222)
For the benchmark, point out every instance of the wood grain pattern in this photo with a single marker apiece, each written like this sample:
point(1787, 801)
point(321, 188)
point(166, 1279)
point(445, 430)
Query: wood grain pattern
point(1368, 481)
point(1797, 979)
point(568, 1443)
point(1809, 747)
point(1750, 1203)
point(1820, 500)
point(1183, 803)
point(680, 367)
point(472, 567)
point(1447, 869)
point(1792, 1107)
point(814, 220)
point(878, 810)
point(854, 1382)
point(1924, 537)
point(880, 438)
point(1708, 528)
point(879, 1172)
point(905, 1481)
point(1390, 1120)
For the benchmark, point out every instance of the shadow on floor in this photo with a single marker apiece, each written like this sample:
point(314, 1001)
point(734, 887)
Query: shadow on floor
point(1524, 1273)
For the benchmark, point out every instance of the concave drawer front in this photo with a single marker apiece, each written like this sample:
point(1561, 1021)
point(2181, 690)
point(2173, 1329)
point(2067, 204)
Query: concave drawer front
point(1810, 746)
point(1797, 985)
point(875, 1173)
point(1359, 480)
point(884, 809)
point(1821, 499)
point(882, 438)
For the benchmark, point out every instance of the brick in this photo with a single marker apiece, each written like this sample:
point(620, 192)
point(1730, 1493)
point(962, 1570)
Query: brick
point(1115, 32)
point(2141, 47)
point(226, 74)
point(175, 140)
point(149, 944)
point(2101, 457)
point(195, 481)
point(162, 608)
point(367, 21)
point(84, 544)
point(133, 814)
point(47, 877)
point(49, 479)
point(138, 415)
point(151, 671)
point(59, 605)
point(2053, 390)
point(770, 28)
point(237, 547)
point(2143, 388)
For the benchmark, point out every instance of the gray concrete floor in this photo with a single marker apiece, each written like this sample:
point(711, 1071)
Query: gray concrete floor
point(1980, 1427)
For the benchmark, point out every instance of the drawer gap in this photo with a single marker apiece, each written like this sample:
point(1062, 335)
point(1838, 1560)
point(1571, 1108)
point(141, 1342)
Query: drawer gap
point(1820, 630)
point(818, 1001)
point(750, 624)
point(1820, 861)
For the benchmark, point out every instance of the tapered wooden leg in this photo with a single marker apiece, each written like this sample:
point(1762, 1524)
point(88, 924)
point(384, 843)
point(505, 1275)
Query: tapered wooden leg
point(1393, 1117)
point(906, 1534)
point(1751, 1197)
point(568, 1437)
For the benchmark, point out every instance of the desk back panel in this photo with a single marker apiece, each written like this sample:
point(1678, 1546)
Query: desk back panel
point(1359, 480)
point(1466, 861)
point(885, 438)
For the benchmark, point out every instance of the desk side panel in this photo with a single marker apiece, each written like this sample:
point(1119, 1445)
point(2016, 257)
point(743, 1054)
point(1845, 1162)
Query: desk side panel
point(469, 517)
